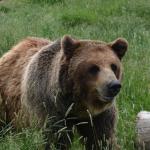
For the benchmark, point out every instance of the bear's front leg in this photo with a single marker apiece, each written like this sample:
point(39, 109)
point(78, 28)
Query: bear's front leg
point(59, 135)
point(99, 132)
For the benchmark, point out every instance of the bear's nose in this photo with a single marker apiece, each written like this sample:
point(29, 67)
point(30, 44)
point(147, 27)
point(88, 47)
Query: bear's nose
point(114, 88)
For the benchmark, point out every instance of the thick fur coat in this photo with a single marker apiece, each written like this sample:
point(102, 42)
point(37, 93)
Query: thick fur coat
point(65, 84)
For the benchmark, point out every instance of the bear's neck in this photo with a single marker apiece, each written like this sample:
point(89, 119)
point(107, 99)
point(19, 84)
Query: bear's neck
point(54, 90)
point(57, 77)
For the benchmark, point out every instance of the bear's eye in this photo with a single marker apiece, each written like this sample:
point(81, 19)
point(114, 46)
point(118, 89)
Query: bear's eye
point(114, 68)
point(94, 70)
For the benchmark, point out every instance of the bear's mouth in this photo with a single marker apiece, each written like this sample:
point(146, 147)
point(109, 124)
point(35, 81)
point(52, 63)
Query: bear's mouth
point(108, 98)
point(105, 97)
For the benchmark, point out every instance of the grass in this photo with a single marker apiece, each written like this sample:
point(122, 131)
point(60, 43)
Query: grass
point(28, 139)
point(96, 19)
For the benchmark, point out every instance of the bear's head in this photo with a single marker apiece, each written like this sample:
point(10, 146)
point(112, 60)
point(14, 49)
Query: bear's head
point(91, 73)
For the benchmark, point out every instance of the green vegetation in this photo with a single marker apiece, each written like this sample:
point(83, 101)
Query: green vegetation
point(87, 19)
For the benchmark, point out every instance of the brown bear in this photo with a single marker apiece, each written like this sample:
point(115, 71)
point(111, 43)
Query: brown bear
point(66, 83)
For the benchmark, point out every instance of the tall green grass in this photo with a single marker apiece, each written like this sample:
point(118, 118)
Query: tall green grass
point(86, 19)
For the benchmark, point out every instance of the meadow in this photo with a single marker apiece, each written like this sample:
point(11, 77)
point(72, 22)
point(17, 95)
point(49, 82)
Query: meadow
point(103, 20)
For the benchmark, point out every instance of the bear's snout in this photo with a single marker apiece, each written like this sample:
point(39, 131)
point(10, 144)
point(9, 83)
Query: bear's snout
point(113, 88)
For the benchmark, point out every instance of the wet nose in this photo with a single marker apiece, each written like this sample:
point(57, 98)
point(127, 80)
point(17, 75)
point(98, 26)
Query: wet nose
point(114, 88)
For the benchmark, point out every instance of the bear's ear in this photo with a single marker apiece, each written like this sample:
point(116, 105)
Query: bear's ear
point(68, 45)
point(120, 47)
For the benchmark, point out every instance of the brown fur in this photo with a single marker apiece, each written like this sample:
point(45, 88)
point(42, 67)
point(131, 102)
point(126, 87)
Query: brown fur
point(12, 66)
point(51, 79)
